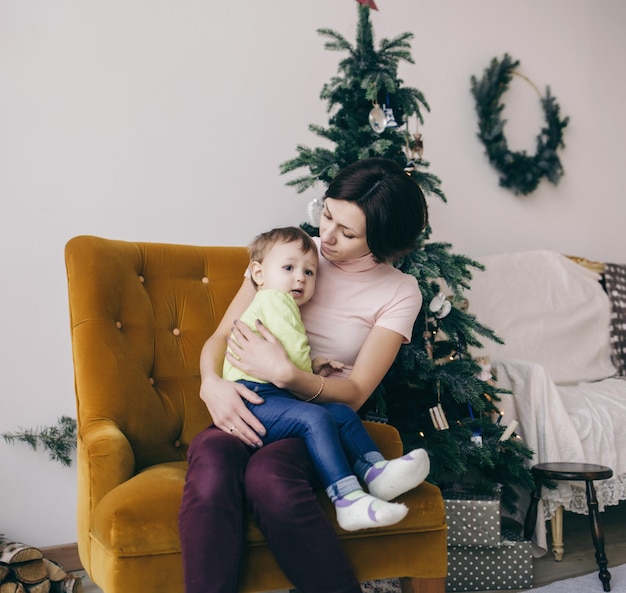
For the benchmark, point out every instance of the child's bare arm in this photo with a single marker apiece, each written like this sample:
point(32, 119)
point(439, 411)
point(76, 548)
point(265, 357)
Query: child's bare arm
point(325, 366)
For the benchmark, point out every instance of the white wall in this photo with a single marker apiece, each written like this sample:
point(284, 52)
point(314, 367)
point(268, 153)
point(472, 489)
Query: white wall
point(166, 121)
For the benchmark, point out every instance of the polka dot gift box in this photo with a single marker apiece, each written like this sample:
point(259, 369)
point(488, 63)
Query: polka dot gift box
point(473, 519)
point(506, 567)
point(481, 557)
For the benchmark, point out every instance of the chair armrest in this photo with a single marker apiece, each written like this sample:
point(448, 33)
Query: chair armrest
point(105, 458)
point(386, 437)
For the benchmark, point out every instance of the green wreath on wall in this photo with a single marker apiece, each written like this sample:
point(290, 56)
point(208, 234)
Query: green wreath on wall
point(519, 171)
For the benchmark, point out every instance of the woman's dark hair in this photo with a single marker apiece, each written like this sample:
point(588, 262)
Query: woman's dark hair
point(393, 203)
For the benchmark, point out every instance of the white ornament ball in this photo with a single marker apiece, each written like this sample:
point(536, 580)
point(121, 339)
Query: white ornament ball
point(314, 211)
point(378, 120)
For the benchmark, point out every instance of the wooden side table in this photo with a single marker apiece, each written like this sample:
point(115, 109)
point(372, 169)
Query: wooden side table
point(587, 472)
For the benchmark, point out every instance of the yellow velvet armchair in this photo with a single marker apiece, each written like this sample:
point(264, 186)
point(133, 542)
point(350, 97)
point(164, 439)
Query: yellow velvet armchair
point(139, 315)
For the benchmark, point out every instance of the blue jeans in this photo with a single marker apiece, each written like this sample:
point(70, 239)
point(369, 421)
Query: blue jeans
point(333, 433)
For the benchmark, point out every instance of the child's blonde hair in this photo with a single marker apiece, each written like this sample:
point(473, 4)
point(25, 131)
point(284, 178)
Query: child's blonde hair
point(262, 243)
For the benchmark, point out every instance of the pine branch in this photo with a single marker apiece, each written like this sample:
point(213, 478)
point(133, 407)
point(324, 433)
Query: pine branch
point(59, 440)
point(463, 327)
point(338, 43)
point(400, 41)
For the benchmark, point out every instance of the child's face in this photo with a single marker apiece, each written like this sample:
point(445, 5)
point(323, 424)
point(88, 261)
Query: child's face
point(286, 268)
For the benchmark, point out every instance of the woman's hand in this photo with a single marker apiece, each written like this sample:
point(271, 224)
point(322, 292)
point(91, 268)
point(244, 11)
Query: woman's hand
point(224, 400)
point(258, 355)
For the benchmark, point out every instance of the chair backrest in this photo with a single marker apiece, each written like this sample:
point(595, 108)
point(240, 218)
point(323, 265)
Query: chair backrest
point(140, 314)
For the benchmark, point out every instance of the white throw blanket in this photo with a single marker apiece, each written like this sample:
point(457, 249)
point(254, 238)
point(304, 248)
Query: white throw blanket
point(582, 423)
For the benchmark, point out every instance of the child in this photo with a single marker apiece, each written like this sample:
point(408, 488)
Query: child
point(283, 268)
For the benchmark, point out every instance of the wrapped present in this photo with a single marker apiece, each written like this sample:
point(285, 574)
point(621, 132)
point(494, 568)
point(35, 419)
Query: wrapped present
point(505, 567)
point(473, 519)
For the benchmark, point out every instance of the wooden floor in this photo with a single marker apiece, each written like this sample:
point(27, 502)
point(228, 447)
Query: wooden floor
point(579, 553)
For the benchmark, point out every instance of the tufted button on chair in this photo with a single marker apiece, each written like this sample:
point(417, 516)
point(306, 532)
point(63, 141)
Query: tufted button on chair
point(139, 315)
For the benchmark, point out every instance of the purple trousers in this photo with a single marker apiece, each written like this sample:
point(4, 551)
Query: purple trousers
point(277, 484)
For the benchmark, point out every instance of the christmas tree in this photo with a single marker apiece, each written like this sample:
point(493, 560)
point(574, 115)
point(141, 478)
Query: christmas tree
point(436, 394)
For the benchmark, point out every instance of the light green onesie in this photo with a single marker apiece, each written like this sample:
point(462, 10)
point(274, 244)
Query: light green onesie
point(279, 313)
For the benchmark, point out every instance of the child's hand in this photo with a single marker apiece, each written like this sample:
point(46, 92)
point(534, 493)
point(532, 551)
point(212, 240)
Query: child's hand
point(325, 366)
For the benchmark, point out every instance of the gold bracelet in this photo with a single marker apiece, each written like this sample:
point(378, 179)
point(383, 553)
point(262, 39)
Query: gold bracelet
point(318, 391)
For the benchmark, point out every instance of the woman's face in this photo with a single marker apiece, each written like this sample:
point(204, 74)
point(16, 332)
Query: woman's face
point(342, 231)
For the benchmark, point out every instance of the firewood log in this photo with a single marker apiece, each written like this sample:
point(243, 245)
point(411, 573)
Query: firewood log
point(72, 584)
point(11, 552)
point(30, 572)
point(54, 570)
point(23, 569)
point(42, 587)
point(12, 587)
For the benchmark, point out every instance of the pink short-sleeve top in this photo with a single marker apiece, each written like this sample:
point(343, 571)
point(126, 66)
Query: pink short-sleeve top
point(350, 299)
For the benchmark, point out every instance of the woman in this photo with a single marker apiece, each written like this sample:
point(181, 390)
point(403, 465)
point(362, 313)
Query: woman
point(362, 311)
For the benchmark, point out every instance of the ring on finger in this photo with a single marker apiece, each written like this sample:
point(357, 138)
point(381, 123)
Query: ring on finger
point(232, 428)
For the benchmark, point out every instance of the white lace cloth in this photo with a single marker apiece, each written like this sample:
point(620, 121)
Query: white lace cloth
point(582, 423)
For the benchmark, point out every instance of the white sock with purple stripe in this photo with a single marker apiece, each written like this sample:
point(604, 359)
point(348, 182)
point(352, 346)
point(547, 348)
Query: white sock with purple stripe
point(388, 479)
point(359, 510)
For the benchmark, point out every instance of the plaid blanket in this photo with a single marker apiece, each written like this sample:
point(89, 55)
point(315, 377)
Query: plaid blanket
point(615, 282)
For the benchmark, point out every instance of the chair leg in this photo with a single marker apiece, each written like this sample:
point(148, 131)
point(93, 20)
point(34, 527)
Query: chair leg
point(558, 548)
point(414, 585)
point(598, 536)
point(531, 513)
